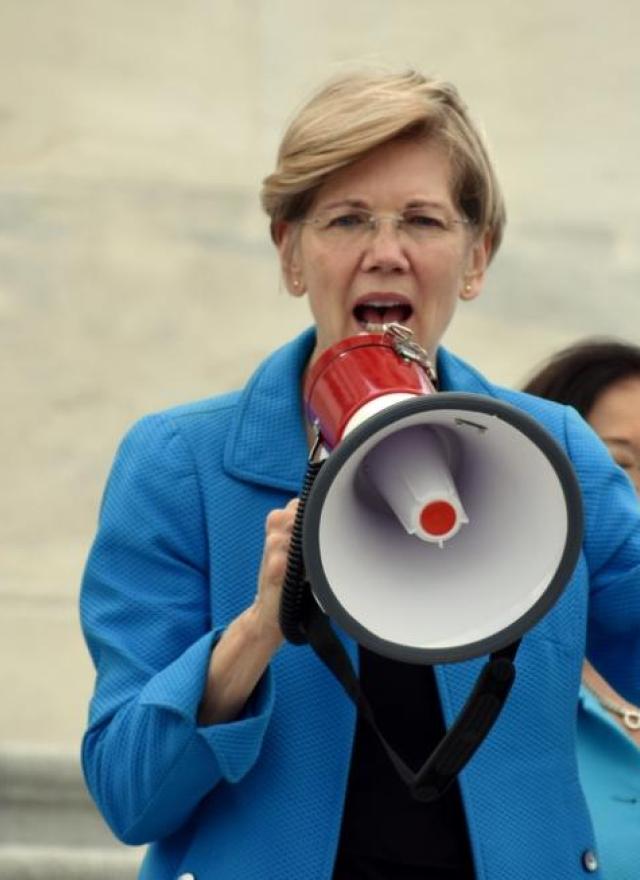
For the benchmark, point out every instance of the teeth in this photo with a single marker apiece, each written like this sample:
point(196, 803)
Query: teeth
point(381, 303)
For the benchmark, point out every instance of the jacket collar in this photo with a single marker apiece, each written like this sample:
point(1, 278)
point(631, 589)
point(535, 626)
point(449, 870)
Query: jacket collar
point(454, 374)
point(267, 443)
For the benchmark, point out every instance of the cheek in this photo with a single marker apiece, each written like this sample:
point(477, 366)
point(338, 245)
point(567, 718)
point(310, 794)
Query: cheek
point(328, 275)
point(441, 284)
point(448, 265)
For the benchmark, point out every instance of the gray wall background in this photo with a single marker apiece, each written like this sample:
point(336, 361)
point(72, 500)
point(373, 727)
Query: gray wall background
point(135, 266)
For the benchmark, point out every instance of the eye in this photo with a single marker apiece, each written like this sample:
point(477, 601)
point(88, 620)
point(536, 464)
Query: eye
point(624, 461)
point(421, 220)
point(351, 220)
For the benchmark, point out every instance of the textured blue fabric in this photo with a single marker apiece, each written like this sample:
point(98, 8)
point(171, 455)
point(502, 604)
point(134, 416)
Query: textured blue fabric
point(609, 765)
point(176, 558)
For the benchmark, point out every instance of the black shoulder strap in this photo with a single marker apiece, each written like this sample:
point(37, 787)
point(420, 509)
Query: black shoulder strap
point(460, 742)
point(302, 621)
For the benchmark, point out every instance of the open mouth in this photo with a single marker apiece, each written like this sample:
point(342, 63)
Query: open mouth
point(373, 314)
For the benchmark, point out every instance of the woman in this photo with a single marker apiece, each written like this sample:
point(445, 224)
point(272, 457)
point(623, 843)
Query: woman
point(601, 379)
point(236, 755)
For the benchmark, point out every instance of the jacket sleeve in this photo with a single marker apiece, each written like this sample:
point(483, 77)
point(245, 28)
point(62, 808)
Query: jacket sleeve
point(612, 550)
point(147, 621)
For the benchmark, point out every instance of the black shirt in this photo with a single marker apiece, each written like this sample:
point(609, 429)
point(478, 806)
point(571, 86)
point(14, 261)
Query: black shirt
point(386, 834)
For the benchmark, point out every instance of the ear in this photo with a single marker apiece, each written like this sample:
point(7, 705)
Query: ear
point(286, 236)
point(477, 262)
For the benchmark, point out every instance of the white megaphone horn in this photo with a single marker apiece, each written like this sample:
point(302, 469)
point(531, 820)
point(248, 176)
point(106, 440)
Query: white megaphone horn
point(442, 525)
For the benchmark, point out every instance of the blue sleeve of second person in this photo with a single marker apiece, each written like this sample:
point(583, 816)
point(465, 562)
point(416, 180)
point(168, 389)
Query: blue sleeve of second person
point(612, 550)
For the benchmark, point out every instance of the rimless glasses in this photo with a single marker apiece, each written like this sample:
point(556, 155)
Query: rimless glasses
point(345, 226)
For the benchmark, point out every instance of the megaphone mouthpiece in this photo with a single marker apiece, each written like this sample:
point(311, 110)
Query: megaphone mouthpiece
point(357, 377)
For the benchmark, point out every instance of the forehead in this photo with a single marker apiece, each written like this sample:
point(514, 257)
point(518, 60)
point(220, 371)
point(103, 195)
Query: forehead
point(392, 175)
point(617, 410)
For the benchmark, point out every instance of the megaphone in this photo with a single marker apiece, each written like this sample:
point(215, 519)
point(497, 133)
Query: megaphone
point(441, 526)
point(434, 527)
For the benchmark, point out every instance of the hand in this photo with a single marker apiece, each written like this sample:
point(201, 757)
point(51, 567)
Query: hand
point(278, 529)
point(250, 641)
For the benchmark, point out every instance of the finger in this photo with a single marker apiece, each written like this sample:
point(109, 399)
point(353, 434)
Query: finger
point(274, 569)
point(281, 519)
point(277, 542)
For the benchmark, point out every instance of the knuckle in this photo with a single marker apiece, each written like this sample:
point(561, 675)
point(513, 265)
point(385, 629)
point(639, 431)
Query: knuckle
point(272, 519)
point(272, 542)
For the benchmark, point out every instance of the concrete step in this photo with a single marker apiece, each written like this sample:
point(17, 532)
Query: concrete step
point(66, 863)
point(49, 827)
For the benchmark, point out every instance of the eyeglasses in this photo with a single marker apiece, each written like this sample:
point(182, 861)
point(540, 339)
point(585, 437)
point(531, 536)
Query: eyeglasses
point(345, 226)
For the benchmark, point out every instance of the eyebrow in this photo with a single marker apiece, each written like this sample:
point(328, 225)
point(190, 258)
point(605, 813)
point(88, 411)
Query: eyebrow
point(426, 203)
point(360, 203)
point(621, 441)
point(348, 203)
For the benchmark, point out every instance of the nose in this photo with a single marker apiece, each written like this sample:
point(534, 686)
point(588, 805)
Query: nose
point(385, 248)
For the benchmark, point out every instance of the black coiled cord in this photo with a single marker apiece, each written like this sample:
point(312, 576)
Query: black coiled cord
point(296, 597)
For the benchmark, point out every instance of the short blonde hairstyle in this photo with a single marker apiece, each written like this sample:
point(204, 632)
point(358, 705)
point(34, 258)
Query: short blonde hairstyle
point(357, 112)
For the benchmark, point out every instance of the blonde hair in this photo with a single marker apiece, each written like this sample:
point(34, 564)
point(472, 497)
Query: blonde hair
point(357, 112)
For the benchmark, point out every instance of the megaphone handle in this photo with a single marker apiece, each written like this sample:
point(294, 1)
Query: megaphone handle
point(460, 742)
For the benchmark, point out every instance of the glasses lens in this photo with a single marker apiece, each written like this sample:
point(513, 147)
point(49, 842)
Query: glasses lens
point(344, 223)
point(424, 224)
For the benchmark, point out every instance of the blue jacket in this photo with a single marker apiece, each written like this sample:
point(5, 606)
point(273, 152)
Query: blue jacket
point(176, 558)
point(609, 764)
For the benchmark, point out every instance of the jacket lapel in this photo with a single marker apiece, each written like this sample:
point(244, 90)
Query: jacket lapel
point(267, 443)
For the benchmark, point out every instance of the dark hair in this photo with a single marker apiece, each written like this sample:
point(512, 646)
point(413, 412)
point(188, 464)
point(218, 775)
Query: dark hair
point(579, 374)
